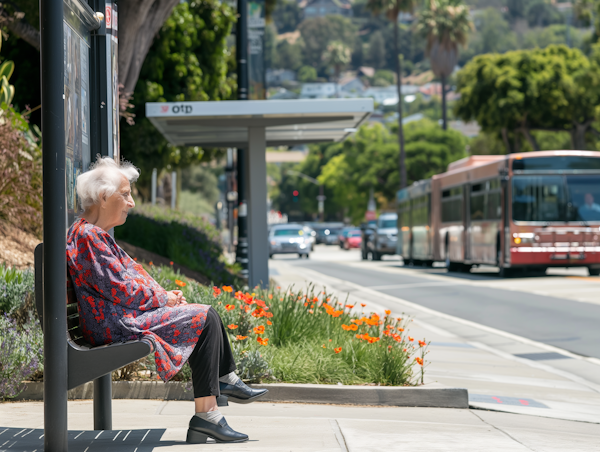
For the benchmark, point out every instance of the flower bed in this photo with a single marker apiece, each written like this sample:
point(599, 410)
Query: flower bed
point(307, 336)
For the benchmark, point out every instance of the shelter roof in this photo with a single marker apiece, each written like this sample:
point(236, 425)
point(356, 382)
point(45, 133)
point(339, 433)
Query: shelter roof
point(286, 122)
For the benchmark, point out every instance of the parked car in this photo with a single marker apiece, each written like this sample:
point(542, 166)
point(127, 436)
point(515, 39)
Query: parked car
point(327, 233)
point(384, 237)
point(353, 240)
point(343, 235)
point(289, 239)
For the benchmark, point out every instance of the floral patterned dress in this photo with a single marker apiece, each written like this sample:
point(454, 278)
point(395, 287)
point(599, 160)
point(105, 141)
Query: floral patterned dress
point(119, 301)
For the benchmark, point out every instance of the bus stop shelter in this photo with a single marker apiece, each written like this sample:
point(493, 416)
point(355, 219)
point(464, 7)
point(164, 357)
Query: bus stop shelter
point(253, 125)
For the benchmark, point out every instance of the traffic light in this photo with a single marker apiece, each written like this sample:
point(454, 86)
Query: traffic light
point(295, 195)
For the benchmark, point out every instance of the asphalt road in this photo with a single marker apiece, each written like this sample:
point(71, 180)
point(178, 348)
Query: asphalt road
point(510, 305)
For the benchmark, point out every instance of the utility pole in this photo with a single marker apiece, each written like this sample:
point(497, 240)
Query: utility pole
point(321, 198)
point(242, 77)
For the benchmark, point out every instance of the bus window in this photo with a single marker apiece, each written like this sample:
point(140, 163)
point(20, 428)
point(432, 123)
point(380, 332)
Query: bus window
point(485, 201)
point(539, 198)
point(452, 205)
point(584, 197)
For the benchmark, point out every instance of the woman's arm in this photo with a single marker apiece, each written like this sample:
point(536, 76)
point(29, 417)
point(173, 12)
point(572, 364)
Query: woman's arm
point(101, 269)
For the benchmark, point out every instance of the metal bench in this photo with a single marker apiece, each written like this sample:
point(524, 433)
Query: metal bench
point(87, 362)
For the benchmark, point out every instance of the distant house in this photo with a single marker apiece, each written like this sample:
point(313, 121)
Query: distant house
point(351, 87)
point(283, 93)
point(388, 95)
point(319, 90)
point(275, 77)
point(320, 8)
point(435, 89)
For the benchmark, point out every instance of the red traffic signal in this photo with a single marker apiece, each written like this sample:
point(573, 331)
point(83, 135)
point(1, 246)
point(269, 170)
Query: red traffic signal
point(295, 192)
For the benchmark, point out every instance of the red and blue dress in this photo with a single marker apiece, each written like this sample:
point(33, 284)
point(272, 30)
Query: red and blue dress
point(119, 301)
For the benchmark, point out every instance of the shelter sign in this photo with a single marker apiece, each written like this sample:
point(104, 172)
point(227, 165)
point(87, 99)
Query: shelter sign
point(256, 56)
point(112, 59)
point(78, 22)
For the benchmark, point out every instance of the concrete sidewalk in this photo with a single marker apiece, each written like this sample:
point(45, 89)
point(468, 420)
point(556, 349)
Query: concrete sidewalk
point(147, 425)
point(501, 371)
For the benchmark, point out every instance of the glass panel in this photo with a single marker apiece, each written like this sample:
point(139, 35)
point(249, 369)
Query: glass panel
point(452, 211)
point(392, 223)
point(478, 207)
point(584, 197)
point(556, 163)
point(539, 198)
point(288, 232)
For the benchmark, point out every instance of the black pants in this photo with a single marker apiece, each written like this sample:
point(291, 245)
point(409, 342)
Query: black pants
point(211, 358)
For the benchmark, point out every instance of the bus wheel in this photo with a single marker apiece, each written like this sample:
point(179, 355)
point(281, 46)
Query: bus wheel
point(428, 263)
point(594, 271)
point(376, 256)
point(506, 272)
point(454, 267)
point(417, 263)
point(465, 268)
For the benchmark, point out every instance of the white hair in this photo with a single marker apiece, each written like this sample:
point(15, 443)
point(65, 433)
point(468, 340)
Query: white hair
point(103, 179)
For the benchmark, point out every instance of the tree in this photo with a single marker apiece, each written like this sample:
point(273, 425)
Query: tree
point(446, 25)
point(286, 16)
point(392, 9)
point(367, 161)
point(188, 61)
point(336, 56)
point(307, 74)
point(551, 89)
point(289, 56)
point(542, 14)
point(377, 50)
point(318, 32)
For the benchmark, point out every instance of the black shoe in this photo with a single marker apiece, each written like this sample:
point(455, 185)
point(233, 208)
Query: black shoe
point(240, 393)
point(200, 430)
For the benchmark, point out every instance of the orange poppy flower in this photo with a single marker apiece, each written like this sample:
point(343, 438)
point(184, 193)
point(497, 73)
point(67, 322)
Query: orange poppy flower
point(150, 263)
point(337, 350)
point(262, 341)
point(411, 338)
point(180, 283)
point(419, 361)
point(388, 312)
point(323, 346)
point(259, 329)
point(404, 350)
point(227, 289)
point(216, 291)
point(241, 338)
point(230, 307)
point(401, 329)
point(171, 263)
point(353, 327)
point(232, 326)
point(135, 259)
point(349, 306)
point(422, 343)
point(270, 296)
point(269, 322)
point(310, 311)
point(363, 304)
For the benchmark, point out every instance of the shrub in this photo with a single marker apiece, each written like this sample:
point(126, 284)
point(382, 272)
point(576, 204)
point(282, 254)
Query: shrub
point(15, 287)
point(21, 354)
point(186, 239)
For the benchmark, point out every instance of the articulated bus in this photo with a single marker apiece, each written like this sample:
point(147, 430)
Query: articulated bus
point(519, 212)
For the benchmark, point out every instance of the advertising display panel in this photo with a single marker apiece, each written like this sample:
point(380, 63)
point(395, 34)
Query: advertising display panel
point(78, 21)
point(256, 57)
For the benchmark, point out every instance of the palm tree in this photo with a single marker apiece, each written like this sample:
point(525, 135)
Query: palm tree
point(392, 9)
point(446, 25)
point(336, 56)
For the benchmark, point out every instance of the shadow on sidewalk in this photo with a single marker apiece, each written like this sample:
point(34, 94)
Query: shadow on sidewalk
point(29, 440)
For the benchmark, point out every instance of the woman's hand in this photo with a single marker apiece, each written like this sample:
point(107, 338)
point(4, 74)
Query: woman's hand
point(176, 298)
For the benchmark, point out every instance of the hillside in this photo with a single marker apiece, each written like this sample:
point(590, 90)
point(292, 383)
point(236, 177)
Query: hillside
point(16, 246)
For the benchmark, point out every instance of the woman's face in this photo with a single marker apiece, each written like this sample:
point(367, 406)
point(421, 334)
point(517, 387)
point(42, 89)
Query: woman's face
point(116, 207)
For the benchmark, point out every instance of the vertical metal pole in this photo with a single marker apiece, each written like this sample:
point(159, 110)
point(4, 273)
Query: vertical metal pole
point(55, 226)
point(258, 261)
point(173, 189)
point(103, 403)
point(153, 189)
point(242, 160)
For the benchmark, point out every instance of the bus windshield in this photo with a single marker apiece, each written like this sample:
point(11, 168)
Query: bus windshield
point(556, 198)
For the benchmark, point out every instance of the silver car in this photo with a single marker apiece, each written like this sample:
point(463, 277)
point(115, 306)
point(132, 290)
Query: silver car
point(290, 239)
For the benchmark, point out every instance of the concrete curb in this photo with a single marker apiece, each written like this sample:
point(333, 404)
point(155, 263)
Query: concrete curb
point(430, 395)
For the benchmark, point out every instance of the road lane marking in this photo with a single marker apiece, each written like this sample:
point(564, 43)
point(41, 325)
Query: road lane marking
point(408, 286)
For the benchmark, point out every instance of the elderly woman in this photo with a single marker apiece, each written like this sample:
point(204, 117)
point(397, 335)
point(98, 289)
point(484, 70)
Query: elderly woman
point(119, 301)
